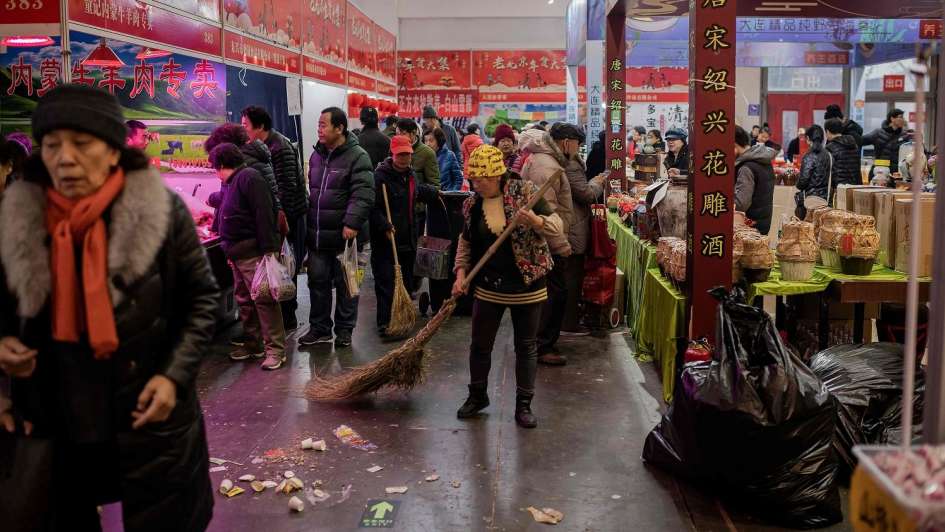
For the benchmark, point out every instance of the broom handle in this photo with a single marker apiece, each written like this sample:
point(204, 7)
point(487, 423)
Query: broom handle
point(508, 230)
point(393, 243)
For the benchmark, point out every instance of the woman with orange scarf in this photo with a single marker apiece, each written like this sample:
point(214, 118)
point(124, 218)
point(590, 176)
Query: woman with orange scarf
point(107, 306)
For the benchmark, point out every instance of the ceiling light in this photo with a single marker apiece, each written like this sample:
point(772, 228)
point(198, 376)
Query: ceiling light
point(551, 2)
point(149, 53)
point(27, 40)
point(103, 56)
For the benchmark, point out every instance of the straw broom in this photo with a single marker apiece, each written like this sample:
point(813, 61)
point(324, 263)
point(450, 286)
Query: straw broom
point(403, 315)
point(403, 368)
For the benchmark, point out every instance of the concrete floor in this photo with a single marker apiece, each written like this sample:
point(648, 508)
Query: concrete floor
point(583, 459)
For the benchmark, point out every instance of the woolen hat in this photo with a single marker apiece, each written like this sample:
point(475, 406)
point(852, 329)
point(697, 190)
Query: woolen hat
point(676, 134)
point(429, 112)
point(486, 161)
point(503, 131)
point(80, 108)
point(400, 144)
point(565, 131)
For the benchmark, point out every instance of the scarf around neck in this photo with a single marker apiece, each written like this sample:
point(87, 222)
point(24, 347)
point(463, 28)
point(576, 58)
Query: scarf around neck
point(79, 234)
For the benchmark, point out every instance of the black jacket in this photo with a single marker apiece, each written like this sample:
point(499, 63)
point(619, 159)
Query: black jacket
point(341, 184)
point(403, 193)
point(846, 160)
point(681, 162)
point(247, 223)
point(287, 169)
point(793, 149)
point(886, 142)
point(256, 156)
point(854, 130)
point(376, 144)
point(754, 185)
point(165, 300)
point(596, 160)
point(814, 175)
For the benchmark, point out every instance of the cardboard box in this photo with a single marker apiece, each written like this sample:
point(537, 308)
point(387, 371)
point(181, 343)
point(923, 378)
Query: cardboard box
point(844, 196)
point(864, 200)
point(904, 208)
point(884, 204)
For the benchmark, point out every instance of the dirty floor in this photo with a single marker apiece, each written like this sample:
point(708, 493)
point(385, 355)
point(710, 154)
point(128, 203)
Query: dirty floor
point(583, 459)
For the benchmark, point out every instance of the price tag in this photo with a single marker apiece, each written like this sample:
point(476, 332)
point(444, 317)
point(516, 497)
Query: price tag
point(873, 509)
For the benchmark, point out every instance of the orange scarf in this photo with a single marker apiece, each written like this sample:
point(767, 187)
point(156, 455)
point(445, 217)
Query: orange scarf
point(80, 220)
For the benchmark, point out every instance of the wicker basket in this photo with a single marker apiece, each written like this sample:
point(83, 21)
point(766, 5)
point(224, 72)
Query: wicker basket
point(830, 258)
point(856, 265)
point(797, 270)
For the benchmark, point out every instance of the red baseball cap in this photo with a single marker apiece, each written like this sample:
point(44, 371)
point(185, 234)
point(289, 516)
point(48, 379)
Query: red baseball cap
point(400, 144)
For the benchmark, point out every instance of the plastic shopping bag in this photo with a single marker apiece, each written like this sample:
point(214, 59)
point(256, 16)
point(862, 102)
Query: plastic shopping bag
point(353, 273)
point(272, 282)
point(288, 258)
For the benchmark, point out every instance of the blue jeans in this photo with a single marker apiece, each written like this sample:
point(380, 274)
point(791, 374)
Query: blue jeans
point(324, 274)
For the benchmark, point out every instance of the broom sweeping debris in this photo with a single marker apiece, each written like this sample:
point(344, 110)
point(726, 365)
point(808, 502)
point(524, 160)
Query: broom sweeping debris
point(403, 315)
point(403, 368)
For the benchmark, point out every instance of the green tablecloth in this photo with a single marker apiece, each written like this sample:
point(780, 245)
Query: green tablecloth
point(821, 279)
point(634, 258)
point(661, 324)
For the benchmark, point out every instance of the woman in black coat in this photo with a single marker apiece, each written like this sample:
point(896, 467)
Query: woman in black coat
point(814, 181)
point(110, 381)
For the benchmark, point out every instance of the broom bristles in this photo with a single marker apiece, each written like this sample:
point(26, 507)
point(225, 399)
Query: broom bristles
point(403, 368)
point(403, 315)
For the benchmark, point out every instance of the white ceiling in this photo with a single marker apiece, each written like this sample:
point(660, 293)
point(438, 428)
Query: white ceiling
point(480, 8)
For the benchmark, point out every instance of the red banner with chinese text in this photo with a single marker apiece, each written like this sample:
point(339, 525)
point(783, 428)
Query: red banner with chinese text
point(386, 59)
point(278, 21)
point(386, 89)
point(252, 52)
point(315, 69)
point(360, 41)
point(361, 83)
point(448, 103)
point(147, 22)
point(325, 31)
point(520, 71)
point(429, 70)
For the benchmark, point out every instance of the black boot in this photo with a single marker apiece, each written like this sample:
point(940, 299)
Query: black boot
point(478, 399)
point(523, 412)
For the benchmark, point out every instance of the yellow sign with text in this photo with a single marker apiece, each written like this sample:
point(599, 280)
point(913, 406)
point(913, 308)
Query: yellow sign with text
point(873, 509)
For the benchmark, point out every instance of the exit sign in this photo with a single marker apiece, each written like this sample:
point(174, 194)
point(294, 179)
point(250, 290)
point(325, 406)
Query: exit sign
point(894, 83)
point(930, 29)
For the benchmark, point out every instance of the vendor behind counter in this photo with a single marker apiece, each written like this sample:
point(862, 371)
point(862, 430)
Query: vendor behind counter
point(677, 157)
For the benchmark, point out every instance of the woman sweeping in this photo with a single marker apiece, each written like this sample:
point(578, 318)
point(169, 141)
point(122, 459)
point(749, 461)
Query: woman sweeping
point(512, 278)
point(107, 307)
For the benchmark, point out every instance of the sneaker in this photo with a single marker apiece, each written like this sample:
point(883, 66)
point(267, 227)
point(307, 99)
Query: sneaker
point(240, 341)
point(343, 339)
point(273, 362)
point(313, 338)
point(244, 353)
point(552, 358)
point(580, 331)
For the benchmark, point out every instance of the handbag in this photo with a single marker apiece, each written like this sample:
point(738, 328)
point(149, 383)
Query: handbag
point(351, 269)
point(26, 465)
point(433, 253)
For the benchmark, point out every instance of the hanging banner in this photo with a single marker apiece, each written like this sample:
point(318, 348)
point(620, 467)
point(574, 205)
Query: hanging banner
point(137, 19)
point(325, 31)
point(360, 41)
point(615, 102)
point(448, 103)
point(362, 83)
point(253, 52)
point(386, 89)
point(208, 9)
point(520, 75)
point(315, 69)
point(660, 84)
point(427, 70)
point(278, 21)
point(386, 60)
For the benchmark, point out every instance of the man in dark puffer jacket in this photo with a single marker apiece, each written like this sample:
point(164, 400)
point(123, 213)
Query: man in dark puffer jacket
point(887, 139)
point(846, 154)
point(287, 168)
point(849, 126)
point(341, 182)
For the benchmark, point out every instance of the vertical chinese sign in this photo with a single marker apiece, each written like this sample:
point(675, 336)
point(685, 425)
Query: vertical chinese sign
point(360, 41)
point(712, 163)
point(616, 98)
point(323, 41)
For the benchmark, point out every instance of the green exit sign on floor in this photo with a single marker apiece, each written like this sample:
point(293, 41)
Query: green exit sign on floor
point(379, 513)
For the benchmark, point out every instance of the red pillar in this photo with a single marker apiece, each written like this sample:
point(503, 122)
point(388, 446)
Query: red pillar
point(712, 167)
point(616, 100)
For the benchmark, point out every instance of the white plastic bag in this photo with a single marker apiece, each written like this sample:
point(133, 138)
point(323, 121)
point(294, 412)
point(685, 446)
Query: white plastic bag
point(351, 269)
point(272, 282)
point(288, 258)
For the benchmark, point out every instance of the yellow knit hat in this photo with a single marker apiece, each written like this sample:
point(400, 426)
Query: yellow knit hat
point(486, 161)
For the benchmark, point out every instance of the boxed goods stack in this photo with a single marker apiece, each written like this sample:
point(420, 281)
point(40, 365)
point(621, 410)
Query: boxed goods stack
point(885, 213)
point(903, 243)
point(797, 250)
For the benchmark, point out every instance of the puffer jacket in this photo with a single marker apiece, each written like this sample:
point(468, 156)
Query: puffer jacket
point(544, 159)
point(584, 193)
point(341, 184)
point(256, 156)
point(165, 299)
point(815, 169)
point(887, 142)
point(854, 130)
point(451, 175)
point(846, 160)
point(248, 228)
point(287, 168)
point(425, 165)
point(754, 185)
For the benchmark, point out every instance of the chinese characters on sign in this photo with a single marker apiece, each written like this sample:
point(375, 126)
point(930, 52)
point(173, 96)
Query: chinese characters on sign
point(450, 103)
point(615, 81)
point(894, 83)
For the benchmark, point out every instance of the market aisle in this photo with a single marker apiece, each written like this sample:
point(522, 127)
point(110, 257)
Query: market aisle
point(593, 417)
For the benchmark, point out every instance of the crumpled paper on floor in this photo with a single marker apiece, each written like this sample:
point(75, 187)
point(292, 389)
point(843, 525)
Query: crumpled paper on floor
point(546, 515)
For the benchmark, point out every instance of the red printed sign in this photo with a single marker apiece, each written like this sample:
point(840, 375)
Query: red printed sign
point(253, 52)
point(29, 12)
point(894, 83)
point(660, 84)
point(278, 21)
point(386, 45)
point(208, 9)
point(826, 58)
point(360, 41)
point(361, 83)
point(523, 97)
point(425, 70)
point(447, 102)
point(930, 29)
point(315, 69)
point(325, 30)
point(386, 89)
point(520, 71)
point(148, 22)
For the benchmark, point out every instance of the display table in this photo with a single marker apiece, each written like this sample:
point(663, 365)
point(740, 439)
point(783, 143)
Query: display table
point(634, 258)
point(661, 325)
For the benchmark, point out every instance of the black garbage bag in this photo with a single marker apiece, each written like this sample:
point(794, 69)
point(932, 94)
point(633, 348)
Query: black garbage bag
point(866, 381)
point(754, 424)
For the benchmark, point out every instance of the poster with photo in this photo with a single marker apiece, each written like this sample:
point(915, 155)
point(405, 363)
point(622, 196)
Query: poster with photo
point(278, 21)
point(325, 30)
point(360, 41)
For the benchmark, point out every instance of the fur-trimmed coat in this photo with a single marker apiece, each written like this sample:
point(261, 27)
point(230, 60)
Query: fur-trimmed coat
point(165, 297)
